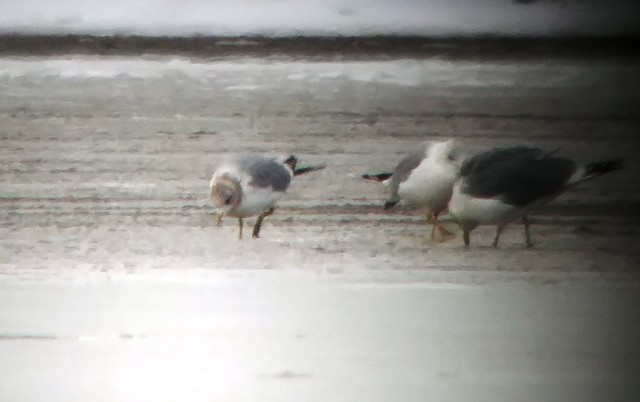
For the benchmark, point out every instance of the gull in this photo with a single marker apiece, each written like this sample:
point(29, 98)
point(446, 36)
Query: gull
point(501, 185)
point(252, 184)
point(424, 179)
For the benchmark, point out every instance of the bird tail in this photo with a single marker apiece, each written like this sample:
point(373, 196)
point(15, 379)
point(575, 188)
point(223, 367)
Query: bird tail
point(307, 169)
point(595, 169)
point(380, 177)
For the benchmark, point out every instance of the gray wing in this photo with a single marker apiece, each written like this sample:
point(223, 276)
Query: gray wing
point(487, 159)
point(266, 172)
point(403, 170)
point(517, 176)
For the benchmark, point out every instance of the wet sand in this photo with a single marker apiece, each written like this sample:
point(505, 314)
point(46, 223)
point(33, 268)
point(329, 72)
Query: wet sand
point(107, 159)
point(104, 215)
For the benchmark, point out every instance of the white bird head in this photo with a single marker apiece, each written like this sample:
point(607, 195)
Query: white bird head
point(447, 151)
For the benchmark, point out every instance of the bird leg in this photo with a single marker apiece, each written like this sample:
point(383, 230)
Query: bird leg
point(527, 235)
point(258, 225)
point(443, 230)
point(240, 228)
point(432, 218)
point(465, 236)
point(218, 219)
point(498, 233)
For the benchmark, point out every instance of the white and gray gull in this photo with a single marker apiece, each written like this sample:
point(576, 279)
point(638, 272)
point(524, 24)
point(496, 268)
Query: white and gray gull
point(248, 185)
point(424, 179)
point(501, 185)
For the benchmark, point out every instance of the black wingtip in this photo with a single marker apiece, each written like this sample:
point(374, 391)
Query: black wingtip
point(307, 169)
point(377, 176)
point(599, 168)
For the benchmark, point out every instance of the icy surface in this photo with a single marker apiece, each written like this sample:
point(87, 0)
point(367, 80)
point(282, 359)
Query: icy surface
point(116, 285)
point(290, 336)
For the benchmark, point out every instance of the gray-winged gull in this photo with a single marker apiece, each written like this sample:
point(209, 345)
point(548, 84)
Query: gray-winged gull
point(248, 185)
point(424, 179)
point(501, 185)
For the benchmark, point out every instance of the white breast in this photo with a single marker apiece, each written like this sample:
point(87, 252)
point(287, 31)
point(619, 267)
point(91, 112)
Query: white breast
point(255, 201)
point(429, 185)
point(488, 211)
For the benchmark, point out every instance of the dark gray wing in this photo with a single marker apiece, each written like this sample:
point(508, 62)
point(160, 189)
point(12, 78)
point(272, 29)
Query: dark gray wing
point(517, 176)
point(266, 172)
point(403, 170)
point(483, 160)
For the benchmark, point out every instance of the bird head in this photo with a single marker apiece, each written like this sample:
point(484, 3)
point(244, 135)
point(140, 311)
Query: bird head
point(291, 161)
point(445, 151)
point(226, 193)
point(390, 204)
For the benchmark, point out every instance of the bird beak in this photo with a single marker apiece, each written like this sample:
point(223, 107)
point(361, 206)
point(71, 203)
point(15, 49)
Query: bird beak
point(389, 204)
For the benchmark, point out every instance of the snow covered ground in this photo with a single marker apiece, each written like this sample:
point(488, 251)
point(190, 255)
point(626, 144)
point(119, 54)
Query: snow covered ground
point(287, 335)
point(116, 285)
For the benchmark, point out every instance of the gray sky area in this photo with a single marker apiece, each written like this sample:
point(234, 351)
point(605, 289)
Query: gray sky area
point(321, 17)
